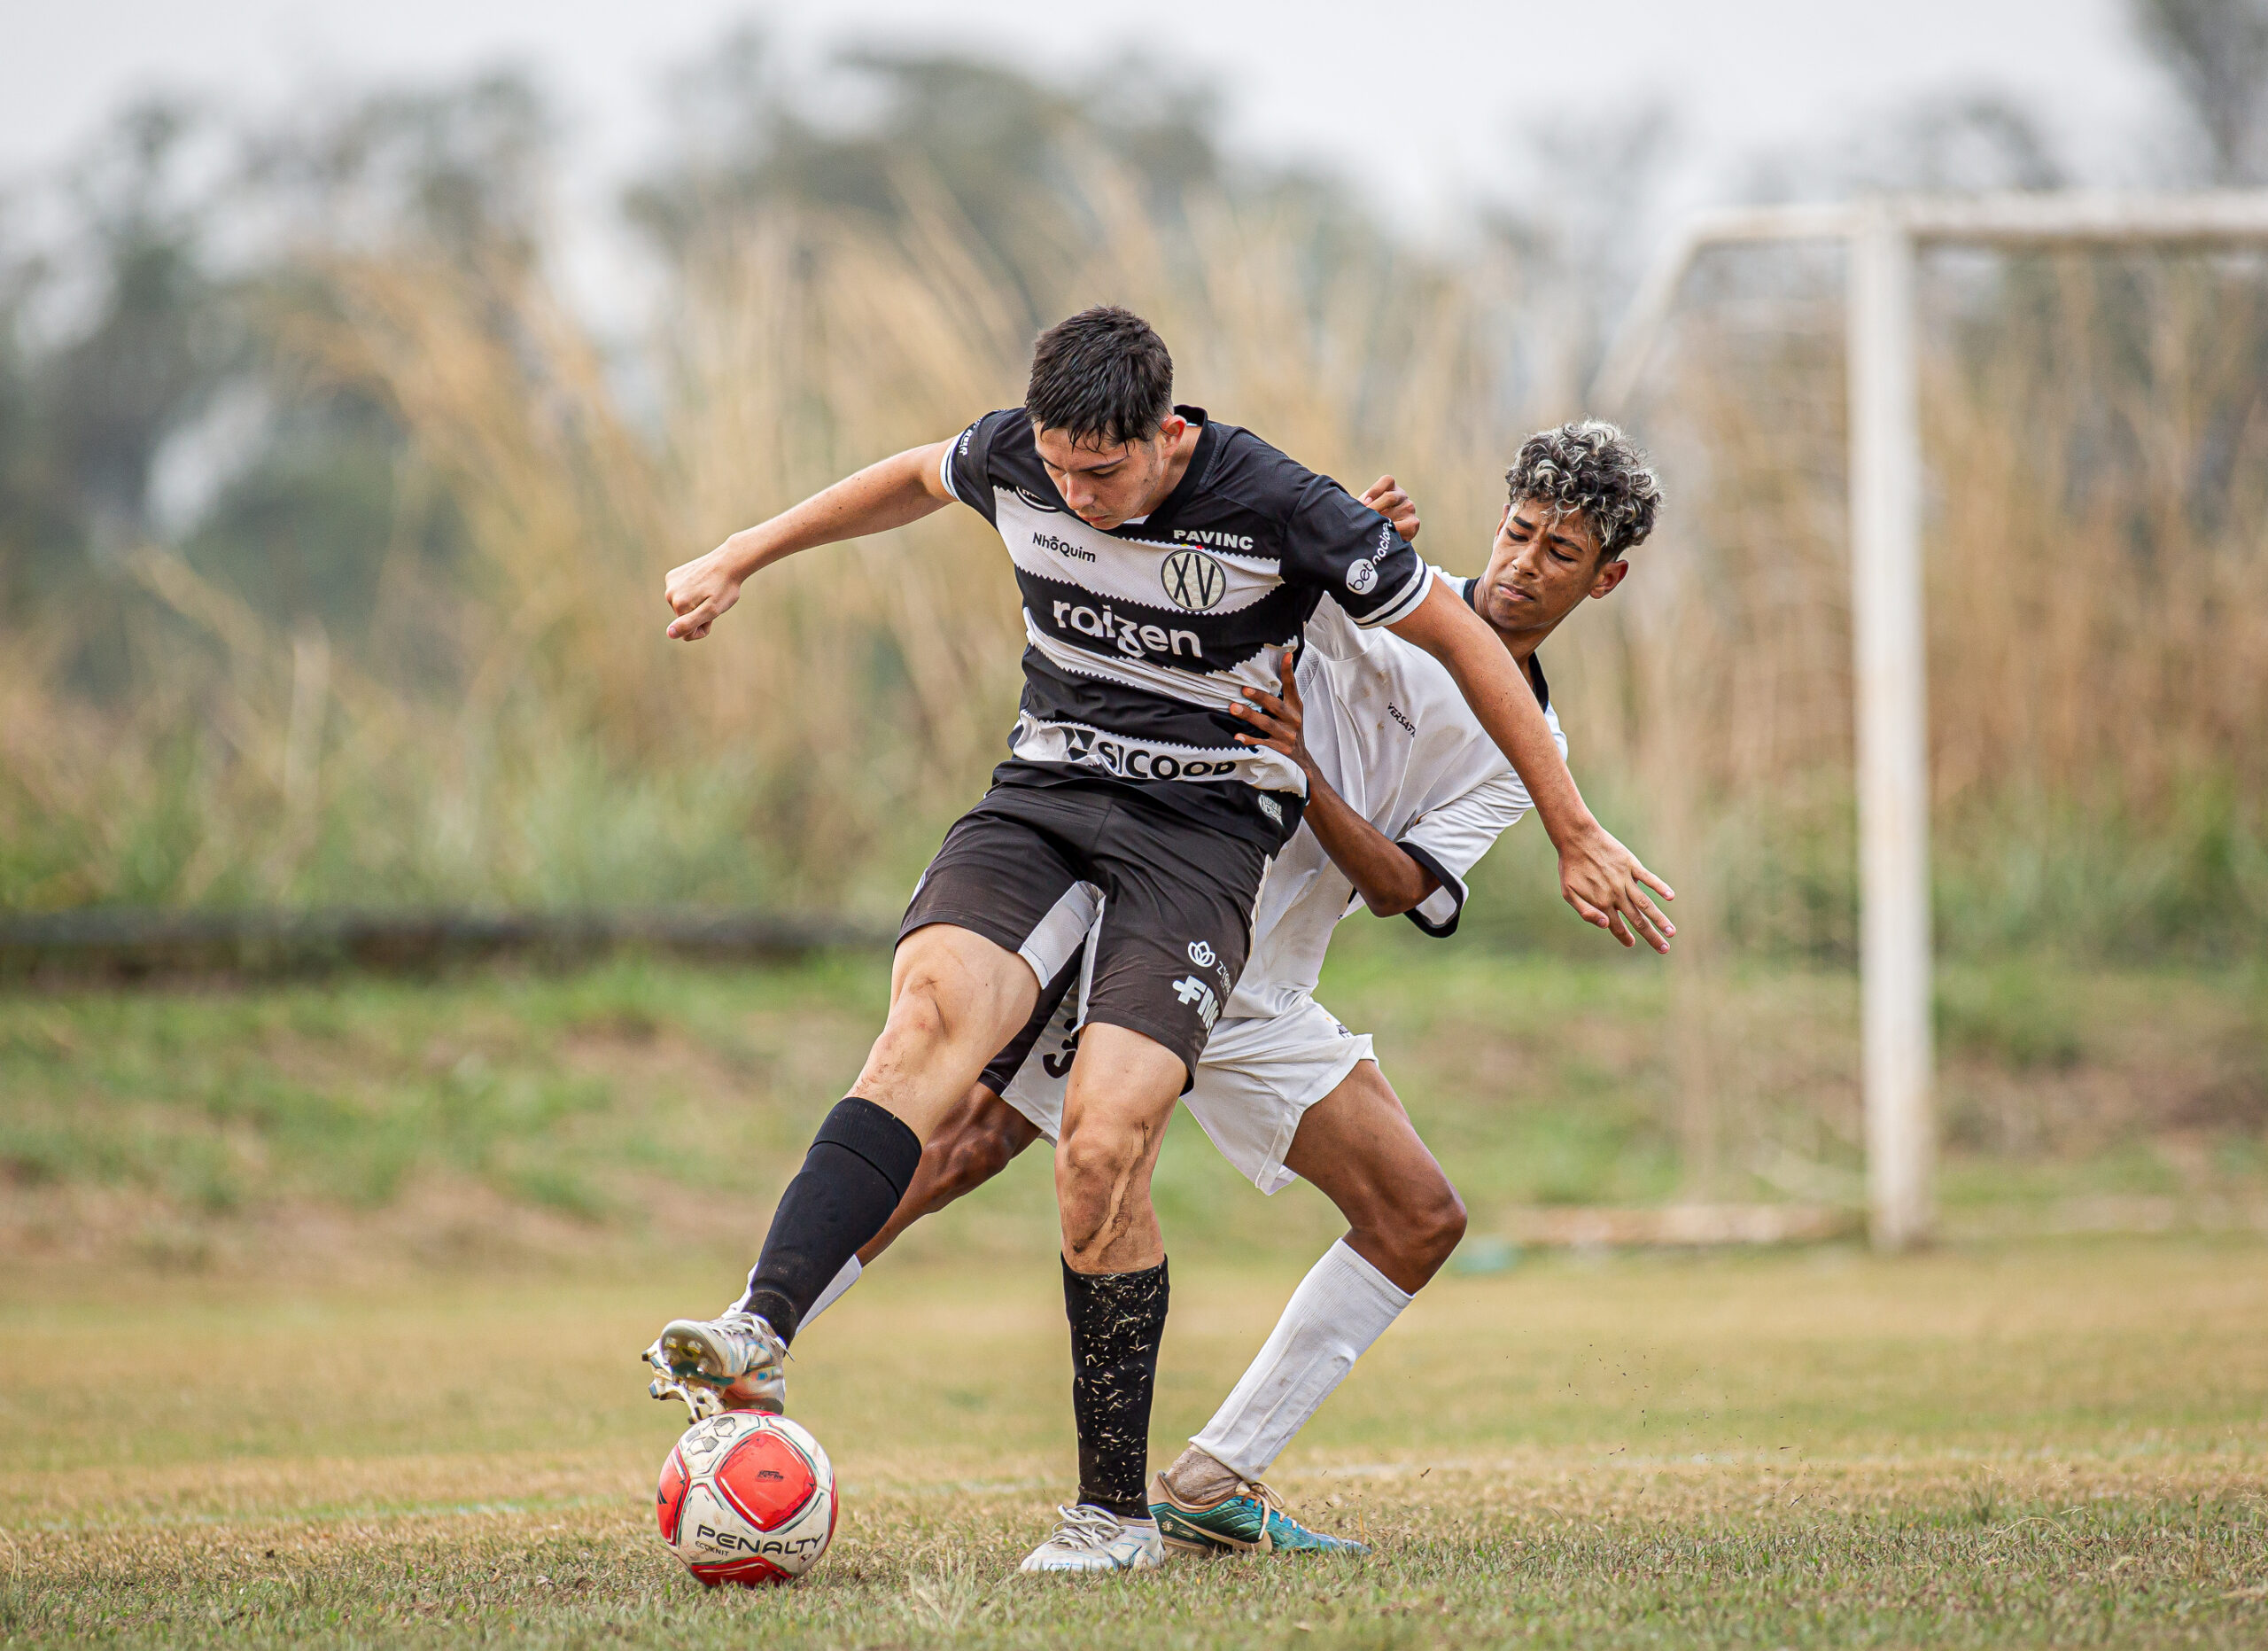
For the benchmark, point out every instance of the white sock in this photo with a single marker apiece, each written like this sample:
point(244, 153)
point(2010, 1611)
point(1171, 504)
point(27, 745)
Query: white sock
point(1342, 1305)
point(828, 1296)
point(833, 1293)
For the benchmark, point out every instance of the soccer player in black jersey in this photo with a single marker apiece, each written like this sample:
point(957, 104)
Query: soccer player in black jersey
point(1166, 562)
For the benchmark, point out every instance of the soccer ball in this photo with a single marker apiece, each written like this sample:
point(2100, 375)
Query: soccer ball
point(747, 1498)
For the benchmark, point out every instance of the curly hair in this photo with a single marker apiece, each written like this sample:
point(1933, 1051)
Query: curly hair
point(1593, 468)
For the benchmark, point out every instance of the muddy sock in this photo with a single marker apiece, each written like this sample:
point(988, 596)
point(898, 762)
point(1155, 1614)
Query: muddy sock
point(859, 1166)
point(1200, 1480)
point(1117, 1321)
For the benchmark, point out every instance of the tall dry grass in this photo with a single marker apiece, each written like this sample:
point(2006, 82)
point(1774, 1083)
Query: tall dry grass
point(517, 730)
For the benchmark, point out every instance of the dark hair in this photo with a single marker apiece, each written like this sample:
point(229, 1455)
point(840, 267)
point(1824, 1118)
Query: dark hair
point(1594, 468)
point(1103, 377)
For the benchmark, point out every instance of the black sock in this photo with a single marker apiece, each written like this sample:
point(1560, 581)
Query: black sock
point(1117, 1321)
point(860, 1164)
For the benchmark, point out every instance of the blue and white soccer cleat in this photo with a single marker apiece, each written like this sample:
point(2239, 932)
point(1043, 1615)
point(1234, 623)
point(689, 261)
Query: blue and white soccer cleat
point(1090, 1538)
point(1248, 1519)
point(733, 1363)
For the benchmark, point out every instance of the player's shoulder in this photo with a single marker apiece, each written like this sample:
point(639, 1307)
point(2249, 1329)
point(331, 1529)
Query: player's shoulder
point(998, 449)
point(1259, 476)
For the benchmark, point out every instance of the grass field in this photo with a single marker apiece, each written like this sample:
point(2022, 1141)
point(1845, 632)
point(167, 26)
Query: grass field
point(2014, 1446)
point(496, 1119)
point(319, 1306)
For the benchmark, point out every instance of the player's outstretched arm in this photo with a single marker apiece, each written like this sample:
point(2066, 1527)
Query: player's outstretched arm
point(902, 488)
point(1383, 873)
point(1599, 877)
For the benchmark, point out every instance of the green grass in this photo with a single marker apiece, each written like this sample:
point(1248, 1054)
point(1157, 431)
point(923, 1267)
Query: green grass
point(323, 1302)
point(640, 1106)
point(1998, 1445)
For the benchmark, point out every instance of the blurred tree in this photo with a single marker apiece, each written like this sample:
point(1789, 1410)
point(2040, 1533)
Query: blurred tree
point(2216, 52)
point(1008, 152)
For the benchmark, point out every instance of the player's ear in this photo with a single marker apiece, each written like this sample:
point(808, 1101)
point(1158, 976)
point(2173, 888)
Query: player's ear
point(1610, 574)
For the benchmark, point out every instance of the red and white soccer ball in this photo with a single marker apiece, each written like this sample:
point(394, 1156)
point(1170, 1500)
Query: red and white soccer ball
point(747, 1498)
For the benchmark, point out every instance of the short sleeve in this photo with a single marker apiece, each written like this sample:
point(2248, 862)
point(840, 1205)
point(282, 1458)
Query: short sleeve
point(1449, 841)
point(1343, 546)
point(967, 469)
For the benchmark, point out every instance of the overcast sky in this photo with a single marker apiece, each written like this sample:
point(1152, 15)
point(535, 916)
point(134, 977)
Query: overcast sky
point(1414, 99)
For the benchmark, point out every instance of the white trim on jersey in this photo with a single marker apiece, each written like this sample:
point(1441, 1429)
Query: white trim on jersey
point(1402, 607)
point(1060, 547)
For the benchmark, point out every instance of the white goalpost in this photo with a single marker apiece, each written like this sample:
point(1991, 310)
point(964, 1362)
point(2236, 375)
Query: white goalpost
point(1883, 235)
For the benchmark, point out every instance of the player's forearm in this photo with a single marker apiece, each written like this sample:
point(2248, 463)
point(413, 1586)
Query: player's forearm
point(899, 489)
point(1389, 881)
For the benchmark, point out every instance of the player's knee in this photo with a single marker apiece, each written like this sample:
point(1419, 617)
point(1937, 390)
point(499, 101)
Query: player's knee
point(917, 1014)
point(973, 1157)
point(1427, 1229)
point(1092, 1164)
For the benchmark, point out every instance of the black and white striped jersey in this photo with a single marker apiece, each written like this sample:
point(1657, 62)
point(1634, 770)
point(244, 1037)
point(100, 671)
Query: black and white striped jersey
point(1137, 640)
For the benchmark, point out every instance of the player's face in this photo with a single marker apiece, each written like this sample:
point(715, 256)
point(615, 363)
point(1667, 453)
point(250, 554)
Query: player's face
point(1104, 486)
point(1543, 566)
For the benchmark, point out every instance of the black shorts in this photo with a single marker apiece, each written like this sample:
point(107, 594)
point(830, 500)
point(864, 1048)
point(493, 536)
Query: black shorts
point(1028, 867)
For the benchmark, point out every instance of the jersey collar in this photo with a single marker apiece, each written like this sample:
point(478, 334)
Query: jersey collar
point(1469, 590)
point(1208, 441)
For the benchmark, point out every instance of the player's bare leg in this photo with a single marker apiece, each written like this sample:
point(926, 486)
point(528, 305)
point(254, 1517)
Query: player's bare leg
point(973, 1143)
point(955, 999)
point(1359, 1146)
point(1123, 1091)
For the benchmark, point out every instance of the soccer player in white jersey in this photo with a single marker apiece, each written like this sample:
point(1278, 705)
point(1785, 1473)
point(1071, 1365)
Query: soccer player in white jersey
point(1166, 562)
point(1405, 793)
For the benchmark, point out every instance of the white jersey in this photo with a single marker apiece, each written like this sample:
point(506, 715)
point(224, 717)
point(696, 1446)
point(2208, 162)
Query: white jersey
point(1389, 728)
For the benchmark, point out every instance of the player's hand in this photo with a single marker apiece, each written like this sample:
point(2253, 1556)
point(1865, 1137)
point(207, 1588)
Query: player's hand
point(1387, 497)
point(1278, 718)
point(699, 593)
point(1607, 886)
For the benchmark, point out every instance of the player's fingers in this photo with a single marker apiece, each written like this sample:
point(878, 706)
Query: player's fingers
point(689, 626)
point(1655, 884)
point(1259, 718)
point(1584, 909)
point(1615, 927)
point(1651, 912)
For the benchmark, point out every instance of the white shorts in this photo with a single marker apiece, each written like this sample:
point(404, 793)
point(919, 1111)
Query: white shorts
point(1256, 1078)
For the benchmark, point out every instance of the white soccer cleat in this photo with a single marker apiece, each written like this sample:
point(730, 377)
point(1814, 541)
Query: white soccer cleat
point(733, 1363)
point(1090, 1538)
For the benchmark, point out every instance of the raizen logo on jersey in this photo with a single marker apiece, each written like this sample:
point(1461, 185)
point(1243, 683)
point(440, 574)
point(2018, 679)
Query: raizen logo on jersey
point(1131, 638)
point(1193, 580)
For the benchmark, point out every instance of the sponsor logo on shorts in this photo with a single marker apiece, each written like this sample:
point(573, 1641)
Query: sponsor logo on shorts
point(1362, 577)
point(1194, 580)
point(1201, 954)
point(1190, 990)
point(1273, 809)
point(1137, 762)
